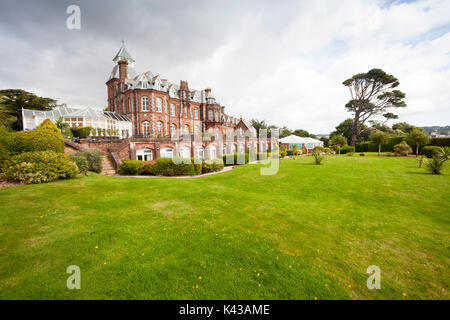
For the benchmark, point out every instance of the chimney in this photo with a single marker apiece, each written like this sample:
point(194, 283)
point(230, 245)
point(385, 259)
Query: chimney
point(123, 70)
point(208, 91)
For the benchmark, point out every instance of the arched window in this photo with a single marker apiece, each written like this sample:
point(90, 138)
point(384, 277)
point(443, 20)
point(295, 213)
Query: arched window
point(144, 103)
point(158, 105)
point(159, 127)
point(172, 109)
point(185, 152)
point(144, 154)
point(195, 113)
point(224, 149)
point(186, 129)
point(146, 128)
point(199, 153)
point(173, 130)
point(166, 153)
point(210, 115)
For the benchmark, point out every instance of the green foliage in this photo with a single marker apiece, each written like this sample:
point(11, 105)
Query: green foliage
point(318, 157)
point(148, 168)
point(402, 149)
point(418, 137)
point(39, 167)
point(338, 140)
point(350, 154)
point(346, 149)
point(234, 158)
point(441, 142)
point(290, 152)
point(4, 156)
point(282, 152)
point(81, 163)
point(362, 154)
point(212, 165)
point(130, 167)
point(435, 165)
point(28, 141)
point(94, 159)
point(48, 126)
point(81, 132)
point(429, 151)
point(318, 149)
point(13, 100)
point(403, 126)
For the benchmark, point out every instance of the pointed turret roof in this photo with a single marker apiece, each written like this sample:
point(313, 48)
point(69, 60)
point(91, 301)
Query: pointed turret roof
point(123, 54)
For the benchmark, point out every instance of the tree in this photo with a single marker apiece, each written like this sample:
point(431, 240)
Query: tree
point(379, 137)
point(326, 141)
point(371, 95)
point(284, 132)
point(418, 137)
point(258, 125)
point(403, 126)
point(339, 141)
point(13, 100)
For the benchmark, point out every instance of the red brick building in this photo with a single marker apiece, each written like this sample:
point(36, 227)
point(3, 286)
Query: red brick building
point(170, 119)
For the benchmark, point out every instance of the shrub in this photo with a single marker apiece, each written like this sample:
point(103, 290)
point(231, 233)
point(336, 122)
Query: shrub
point(362, 154)
point(389, 154)
point(318, 158)
point(282, 152)
point(181, 168)
point(30, 141)
point(130, 167)
point(429, 151)
point(4, 156)
point(434, 165)
point(234, 159)
point(81, 163)
point(40, 166)
point(94, 159)
point(148, 168)
point(440, 142)
point(197, 164)
point(290, 152)
point(350, 154)
point(402, 149)
point(262, 156)
point(164, 167)
point(298, 152)
point(48, 126)
point(318, 149)
point(346, 149)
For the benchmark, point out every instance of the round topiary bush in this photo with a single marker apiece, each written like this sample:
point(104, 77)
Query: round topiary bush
point(402, 149)
point(30, 141)
point(39, 167)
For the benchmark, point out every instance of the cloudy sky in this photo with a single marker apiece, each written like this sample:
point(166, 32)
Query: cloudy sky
point(282, 61)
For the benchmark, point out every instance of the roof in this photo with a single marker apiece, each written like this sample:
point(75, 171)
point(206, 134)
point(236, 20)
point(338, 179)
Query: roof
point(75, 112)
point(123, 54)
point(300, 140)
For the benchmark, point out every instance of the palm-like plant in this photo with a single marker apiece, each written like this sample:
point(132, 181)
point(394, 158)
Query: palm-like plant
point(318, 157)
point(258, 125)
point(435, 165)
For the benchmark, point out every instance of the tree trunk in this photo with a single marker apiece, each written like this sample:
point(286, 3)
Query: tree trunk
point(417, 150)
point(379, 149)
point(355, 130)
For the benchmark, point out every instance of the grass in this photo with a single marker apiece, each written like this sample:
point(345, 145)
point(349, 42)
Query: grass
point(308, 232)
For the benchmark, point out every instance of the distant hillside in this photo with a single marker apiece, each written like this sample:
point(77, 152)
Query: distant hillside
point(438, 130)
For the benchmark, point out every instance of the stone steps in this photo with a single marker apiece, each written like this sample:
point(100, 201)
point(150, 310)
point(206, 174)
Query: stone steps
point(107, 165)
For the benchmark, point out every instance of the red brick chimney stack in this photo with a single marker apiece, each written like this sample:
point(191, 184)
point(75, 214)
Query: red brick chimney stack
point(123, 70)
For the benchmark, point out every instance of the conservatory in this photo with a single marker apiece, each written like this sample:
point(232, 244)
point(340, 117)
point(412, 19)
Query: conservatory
point(101, 121)
point(300, 142)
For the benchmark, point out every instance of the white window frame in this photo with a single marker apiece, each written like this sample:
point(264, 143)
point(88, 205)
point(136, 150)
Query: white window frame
point(166, 153)
point(144, 102)
point(158, 104)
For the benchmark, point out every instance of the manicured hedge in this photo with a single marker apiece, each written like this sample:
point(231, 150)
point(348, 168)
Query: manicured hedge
point(234, 158)
point(346, 149)
point(93, 158)
point(440, 142)
point(131, 167)
point(81, 132)
point(40, 166)
point(30, 141)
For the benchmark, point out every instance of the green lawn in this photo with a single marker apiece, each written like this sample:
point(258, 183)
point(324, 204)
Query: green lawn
point(309, 231)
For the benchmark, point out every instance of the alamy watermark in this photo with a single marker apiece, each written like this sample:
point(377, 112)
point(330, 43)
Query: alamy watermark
point(374, 281)
point(73, 22)
point(74, 280)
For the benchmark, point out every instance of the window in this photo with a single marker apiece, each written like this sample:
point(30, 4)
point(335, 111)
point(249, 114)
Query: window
point(195, 113)
point(185, 112)
point(217, 116)
point(241, 148)
point(144, 154)
point(196, 129)
point(173, 130)
point(144, 103)
point(159, 127)
point(217, 133)
point(185, 152)
point(172, 109)
point(233, 148)
point(158, 105)
point(199, 152)
point(224, 149)
point(166, 153)
point(210, 115)
point(146, 128)
point(212, 152)
point(186, 129)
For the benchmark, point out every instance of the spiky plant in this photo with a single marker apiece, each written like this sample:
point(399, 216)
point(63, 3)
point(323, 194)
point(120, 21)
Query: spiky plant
point(318, 158)
point(435, 165)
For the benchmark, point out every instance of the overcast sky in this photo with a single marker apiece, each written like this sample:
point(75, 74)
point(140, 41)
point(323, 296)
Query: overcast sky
point(282, 61)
